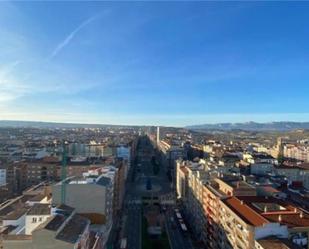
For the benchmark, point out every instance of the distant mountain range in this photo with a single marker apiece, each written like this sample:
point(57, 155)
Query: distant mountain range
point(249, 126)
point(253, 126)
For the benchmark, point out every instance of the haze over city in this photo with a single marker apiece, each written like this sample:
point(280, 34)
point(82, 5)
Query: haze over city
point(161, 63)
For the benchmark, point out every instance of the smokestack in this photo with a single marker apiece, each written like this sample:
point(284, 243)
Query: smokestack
point(158, 135)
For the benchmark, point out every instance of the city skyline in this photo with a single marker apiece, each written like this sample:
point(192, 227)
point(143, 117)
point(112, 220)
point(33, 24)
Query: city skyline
point(167, 63)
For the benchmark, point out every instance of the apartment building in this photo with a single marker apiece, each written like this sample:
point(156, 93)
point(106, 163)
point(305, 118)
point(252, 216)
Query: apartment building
point(227, 213)
point(243, 220)
point(2, 176)
point(296, 151)
point(121, 169)
point(273, 242)
point(49, 169)
point(17, 176)
point(181, 181)
point(259, 158)
point(296, 172)
point(193, 204)
point(42, 170)
point(91, 195)
point(211, 200)
point(199, 192)
point(214, 191)
point(261, 169)
point(189, 184)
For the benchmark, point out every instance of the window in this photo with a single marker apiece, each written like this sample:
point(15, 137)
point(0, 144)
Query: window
point(40, 219)
point(34, 220)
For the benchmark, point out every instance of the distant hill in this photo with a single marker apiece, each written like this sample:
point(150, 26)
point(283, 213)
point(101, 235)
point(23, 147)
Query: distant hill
point(37, 124)
point(253, 126)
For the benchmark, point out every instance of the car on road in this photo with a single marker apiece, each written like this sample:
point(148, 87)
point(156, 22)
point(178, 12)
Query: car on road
point(148, 184)
point(123, 243)
point(163, 208)
point(174, 226)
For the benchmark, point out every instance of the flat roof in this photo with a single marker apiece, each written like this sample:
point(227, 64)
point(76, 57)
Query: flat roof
point(15, 214)
point(277, 243)
point(55, 222)
point(40, 209)
point(73, 229)
point(38, 197)
point(10, 205)
point(17, 237)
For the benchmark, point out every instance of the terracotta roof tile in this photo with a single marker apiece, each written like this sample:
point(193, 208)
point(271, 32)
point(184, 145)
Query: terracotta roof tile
point(245, 212)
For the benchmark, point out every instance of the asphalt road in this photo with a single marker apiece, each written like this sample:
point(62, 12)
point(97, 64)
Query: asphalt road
point(137, 189)
point(133, 210)
point(133, 225)
point(177, 239)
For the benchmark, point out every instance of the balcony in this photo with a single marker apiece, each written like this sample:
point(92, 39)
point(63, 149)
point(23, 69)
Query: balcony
point(242, 241)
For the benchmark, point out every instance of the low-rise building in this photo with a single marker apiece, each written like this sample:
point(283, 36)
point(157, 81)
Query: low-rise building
point(64, 230)
point(36, 215)
point(261, 169)
point(295, 173)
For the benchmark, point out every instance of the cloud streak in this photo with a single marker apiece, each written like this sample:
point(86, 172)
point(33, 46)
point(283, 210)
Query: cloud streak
point(6, 70)
point(70, 36)
point(9, 88)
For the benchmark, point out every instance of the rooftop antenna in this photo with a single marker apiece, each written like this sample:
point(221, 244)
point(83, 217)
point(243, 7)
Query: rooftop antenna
point(63, 172)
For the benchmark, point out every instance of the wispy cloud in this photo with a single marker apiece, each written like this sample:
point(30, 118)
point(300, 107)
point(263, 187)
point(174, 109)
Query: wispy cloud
point(71, 35)
point(7, 70)
point(9, 88)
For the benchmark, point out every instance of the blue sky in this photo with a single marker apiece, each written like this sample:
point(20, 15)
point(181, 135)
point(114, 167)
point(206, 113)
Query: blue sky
point(164, 63)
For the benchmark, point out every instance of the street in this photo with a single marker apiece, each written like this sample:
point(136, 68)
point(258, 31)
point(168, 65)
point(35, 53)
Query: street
point(141, 172)
point(177, 239)
point(133, 225)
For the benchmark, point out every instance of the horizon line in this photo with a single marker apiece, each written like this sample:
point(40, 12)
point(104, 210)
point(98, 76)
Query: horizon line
point(141, 125)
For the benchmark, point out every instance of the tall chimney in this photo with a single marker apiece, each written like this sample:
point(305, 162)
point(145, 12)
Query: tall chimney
point(158, 135)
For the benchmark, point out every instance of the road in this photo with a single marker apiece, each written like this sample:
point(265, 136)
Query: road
point(177, 239)
point(133, 225)
point(136, 189)
point(133, 210)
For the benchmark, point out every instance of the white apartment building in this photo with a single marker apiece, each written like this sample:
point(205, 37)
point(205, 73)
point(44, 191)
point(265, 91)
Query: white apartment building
point(299, 152)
